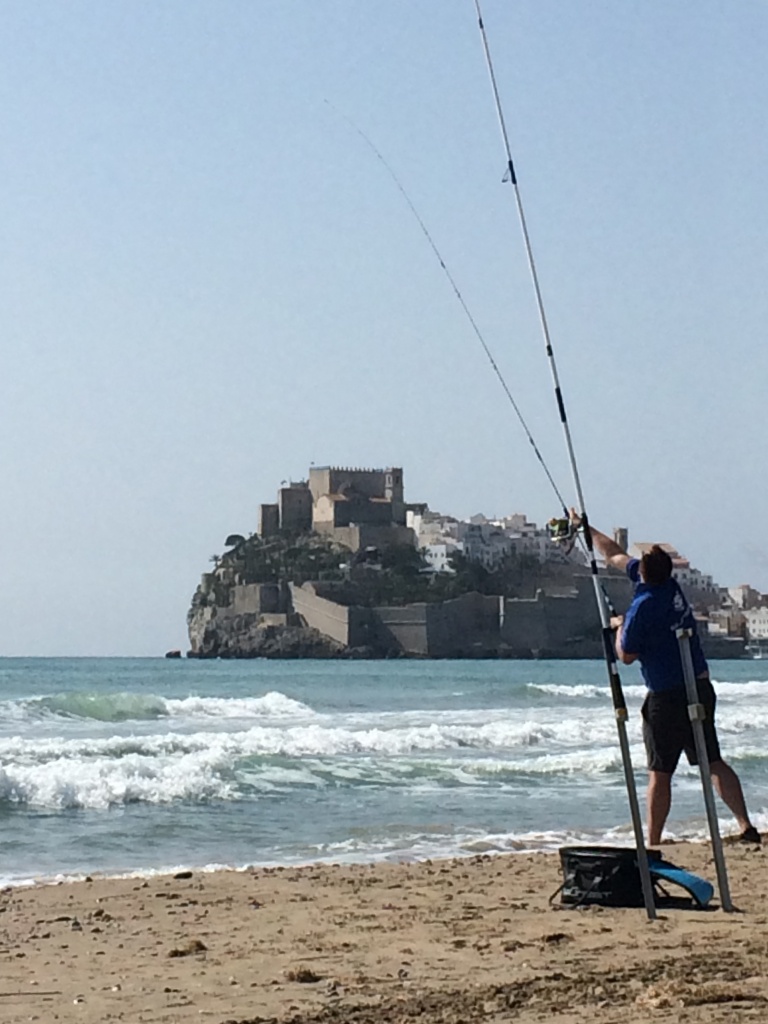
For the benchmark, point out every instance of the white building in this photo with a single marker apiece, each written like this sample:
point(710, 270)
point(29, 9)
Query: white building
point(484, 540)
point(757, 623)
point(485, 543)
point(431, 527)
point(438, 555)
point(436, 537)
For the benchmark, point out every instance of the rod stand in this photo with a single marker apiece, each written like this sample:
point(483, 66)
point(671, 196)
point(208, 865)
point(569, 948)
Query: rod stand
point(697, 714)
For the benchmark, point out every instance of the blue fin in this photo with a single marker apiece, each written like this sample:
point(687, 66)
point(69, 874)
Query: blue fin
point(701, 891)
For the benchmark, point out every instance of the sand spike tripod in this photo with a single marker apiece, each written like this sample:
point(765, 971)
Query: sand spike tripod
point(697, 715)
point(619, 704)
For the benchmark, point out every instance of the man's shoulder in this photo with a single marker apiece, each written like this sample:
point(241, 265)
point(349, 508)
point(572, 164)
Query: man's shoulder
point(643, 595)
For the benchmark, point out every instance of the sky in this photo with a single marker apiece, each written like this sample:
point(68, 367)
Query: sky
point(210, 281)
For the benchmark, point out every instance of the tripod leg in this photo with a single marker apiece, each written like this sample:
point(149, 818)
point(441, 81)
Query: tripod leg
point(697, 714)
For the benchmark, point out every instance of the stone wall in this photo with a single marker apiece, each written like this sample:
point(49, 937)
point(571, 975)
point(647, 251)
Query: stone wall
point(524, 628)
point(269, 520)
point(401, 630)
point(349, 626)
point(562, 625)
point(295, 505)
point(364, 535)
point(467, 626)
point(256, 599)
point(553, 624)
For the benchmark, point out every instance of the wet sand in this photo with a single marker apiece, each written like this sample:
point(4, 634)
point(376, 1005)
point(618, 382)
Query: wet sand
point(440, 941)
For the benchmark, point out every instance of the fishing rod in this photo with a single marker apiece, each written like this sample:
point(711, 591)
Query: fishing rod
point(617, 693)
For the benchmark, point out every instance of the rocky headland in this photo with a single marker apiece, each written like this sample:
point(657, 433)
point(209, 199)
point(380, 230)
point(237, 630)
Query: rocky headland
point(305, 596)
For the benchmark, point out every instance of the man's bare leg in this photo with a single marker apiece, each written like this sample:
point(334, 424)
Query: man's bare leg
point(659, 801)
point(727, 784)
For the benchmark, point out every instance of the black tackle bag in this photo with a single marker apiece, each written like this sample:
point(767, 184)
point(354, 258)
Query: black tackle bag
point(605, 875)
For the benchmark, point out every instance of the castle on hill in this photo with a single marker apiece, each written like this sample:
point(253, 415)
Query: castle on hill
point(358, 508)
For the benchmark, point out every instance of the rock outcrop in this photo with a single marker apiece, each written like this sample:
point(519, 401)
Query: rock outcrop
point(244, 636)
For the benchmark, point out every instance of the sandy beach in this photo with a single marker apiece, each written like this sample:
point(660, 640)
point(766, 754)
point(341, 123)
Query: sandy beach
point(438, 941)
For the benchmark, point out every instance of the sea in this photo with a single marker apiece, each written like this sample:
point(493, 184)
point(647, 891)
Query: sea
point(136, 766)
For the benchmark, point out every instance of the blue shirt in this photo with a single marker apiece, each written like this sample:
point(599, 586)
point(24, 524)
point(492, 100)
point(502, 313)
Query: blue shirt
point(656, 612)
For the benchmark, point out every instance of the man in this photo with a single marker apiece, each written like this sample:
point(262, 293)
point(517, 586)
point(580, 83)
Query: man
point(647, 633)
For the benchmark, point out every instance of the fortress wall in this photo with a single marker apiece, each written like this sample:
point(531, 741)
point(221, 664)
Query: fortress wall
point(463, 626)
point(255, 598)
point(569, 617)
point(525, 625)
point(402, 629)
point(442, 638)
point(617, 586)
point(449, 629)
point(325, 616)
point(295, 504)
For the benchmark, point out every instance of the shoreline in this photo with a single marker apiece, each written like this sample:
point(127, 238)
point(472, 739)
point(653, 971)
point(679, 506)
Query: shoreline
point(520, 846)
point(446, 940)
point(623, 840)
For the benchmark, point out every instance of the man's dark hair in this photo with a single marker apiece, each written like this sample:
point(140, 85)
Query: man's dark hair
point(656, 565)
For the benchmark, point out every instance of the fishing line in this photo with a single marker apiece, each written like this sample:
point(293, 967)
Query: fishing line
point(473, 323)
point(457, 292)
point(619, 703)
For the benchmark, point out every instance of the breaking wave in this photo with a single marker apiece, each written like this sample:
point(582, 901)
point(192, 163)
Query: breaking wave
point(126, 707)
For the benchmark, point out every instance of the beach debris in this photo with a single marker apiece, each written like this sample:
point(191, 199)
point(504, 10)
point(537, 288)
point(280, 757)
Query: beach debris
point(192, 947)
point(555, 938)
point(512, 945)
point(304, 975)
point(660, 997)
point(183, 874)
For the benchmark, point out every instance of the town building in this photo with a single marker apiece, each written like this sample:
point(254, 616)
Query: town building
point(757, 623)
point(745, 596)
point(483, 540)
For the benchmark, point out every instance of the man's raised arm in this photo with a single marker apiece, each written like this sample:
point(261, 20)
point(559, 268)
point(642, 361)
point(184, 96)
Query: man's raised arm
point(607, 546)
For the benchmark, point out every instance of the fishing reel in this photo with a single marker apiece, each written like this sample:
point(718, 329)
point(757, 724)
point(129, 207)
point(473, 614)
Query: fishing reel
point(562, 532)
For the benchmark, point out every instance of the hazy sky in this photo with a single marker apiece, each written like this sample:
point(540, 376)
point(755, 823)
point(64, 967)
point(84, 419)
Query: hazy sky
point(209, 280)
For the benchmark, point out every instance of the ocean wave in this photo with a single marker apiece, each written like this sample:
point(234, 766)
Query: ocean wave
point(126, 707)
point(271, 705)
point(101, 783)
point(754, 689)
point(581, 691)
point(726, 691)
point(214, 776)
point(321, 739)
point(237, 766)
